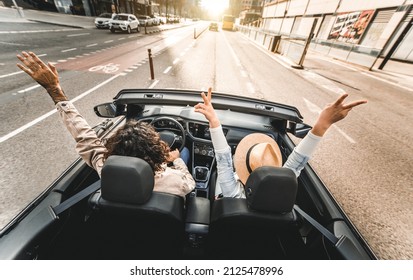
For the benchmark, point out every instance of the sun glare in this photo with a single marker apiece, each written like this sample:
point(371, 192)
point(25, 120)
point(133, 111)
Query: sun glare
point(215, 7)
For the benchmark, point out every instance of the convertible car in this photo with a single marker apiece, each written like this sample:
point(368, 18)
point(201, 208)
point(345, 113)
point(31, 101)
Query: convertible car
point(118, 216)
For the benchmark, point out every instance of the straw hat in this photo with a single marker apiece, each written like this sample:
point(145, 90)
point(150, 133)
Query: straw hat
point(253, 151)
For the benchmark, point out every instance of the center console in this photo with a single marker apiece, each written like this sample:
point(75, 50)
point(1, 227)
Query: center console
point(203, 160)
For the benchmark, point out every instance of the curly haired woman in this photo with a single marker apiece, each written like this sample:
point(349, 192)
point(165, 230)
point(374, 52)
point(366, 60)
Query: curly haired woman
point(137, 139)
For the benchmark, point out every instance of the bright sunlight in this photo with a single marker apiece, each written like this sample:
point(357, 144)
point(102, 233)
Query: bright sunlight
point(215, 7)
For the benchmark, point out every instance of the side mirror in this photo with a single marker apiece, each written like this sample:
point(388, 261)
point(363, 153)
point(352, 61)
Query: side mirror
point(299, 130)
point(105, 110)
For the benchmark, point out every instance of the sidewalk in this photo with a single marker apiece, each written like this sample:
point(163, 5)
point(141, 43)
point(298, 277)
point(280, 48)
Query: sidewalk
point(74, 21)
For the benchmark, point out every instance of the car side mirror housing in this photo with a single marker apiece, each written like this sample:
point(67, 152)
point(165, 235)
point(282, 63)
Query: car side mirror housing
point(105, 110)
point(299, 130)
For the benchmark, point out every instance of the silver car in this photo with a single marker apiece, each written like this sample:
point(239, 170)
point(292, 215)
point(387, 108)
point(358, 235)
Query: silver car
point(102, 21)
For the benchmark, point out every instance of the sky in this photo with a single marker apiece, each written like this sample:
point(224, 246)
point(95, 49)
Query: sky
point(215, 6)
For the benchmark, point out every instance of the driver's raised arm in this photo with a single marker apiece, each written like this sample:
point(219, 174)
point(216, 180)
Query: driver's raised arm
point(88, 145)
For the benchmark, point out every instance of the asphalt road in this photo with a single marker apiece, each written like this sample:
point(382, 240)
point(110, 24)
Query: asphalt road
point(365, 160)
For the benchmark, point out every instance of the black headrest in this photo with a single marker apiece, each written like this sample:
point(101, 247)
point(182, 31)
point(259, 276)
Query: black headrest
point(127, 180)
point(271, 189)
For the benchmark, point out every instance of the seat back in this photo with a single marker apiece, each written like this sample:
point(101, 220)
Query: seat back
point(262, 226)
point(133, 221)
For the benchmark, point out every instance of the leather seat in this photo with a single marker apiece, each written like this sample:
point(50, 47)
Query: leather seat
point(134, 222)
point(262, 226)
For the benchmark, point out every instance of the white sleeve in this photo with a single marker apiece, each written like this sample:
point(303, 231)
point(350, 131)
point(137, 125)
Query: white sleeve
point(308, 145)
point(218, 139)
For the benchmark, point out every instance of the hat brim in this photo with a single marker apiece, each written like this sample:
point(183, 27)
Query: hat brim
point(240, 156)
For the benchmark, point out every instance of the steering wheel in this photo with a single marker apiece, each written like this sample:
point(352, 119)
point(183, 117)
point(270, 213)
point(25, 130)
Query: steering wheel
point(174, 140)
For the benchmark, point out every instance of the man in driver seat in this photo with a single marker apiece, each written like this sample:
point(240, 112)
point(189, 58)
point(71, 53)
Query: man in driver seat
point(136, 139)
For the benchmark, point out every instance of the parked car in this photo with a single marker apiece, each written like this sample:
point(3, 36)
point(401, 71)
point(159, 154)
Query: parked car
point(124, 22)
point(102, 21)
point(119, 216)
point(145, 20)
point(213, 26)
point(155, 20)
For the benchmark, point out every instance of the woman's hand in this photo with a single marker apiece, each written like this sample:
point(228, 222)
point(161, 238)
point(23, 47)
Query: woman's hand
point(333, 113)
point(173, 155)
point(207, 109)
point(45, 75)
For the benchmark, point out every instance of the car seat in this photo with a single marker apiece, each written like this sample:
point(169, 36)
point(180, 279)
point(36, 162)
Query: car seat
point(132, 221)
point(262, 226)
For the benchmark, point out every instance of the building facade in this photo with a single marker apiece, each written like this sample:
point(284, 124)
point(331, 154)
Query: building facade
point(378, 29)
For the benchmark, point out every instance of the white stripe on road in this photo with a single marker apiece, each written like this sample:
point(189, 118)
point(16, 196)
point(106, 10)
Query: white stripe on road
point(91, 45)
point(28, 89)
point(80, 34)
point(175, 61)
point(386, 81)
point(167, 69)
point(36, 31)
point(315, 109)
point(250, 88)
point(153, 84)
point(41, 118)
point(69, 50)
point(11, 74)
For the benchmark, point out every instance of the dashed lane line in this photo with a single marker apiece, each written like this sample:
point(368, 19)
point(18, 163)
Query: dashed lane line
point(41, 118)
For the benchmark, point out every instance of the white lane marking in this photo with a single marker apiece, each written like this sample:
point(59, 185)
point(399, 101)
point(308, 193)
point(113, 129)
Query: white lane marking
point(62, 60)
point(231, 50)
point(244, 73)
point(109, 41)
point(323, 82)
point(182, 54)
point(260, 47)
point(153, 84)
point(28, 89)
point(36, 31)
point(315, 109)
point(68, 50)
point(175, 61)
point(250, 88)
point(41, 118)
point(91, 45)
point(167, 69)
point(384, 80)
point(364, 73)
point(80, 34)
point(11, 74)
point(12, 44)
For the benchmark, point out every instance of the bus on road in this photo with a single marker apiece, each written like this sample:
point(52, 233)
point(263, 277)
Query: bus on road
point(228, 22)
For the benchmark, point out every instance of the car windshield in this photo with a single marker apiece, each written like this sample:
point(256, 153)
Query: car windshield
point(300, 53)
point(121, 17)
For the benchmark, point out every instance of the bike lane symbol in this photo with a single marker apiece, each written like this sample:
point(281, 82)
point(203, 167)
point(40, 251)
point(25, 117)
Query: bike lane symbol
point(108, 68)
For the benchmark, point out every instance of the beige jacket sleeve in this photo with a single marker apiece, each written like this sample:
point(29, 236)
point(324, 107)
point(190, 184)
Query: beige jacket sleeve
point(88, 145)
point(188, 180)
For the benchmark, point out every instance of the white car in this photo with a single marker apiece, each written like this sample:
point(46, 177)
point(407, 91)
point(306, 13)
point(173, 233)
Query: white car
point(124, 23)
point(102, 21)
point(145, 21)
point(155, 20)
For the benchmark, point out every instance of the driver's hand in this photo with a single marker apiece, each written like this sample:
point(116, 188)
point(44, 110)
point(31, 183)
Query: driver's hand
point(173, 155)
